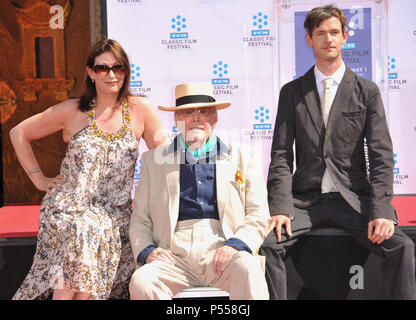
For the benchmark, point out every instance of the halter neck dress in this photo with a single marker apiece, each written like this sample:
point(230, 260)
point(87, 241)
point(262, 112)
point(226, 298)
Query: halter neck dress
point(83, 228)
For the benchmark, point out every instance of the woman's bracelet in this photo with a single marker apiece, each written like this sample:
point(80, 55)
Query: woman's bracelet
point(33, 171)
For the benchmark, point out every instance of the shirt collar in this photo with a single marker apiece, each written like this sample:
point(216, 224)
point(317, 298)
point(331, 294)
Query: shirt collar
point(177, 145)
point(336, 76)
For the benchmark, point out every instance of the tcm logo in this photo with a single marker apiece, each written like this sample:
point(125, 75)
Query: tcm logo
point(178, 25)
point(260, 22)
point(135, 73)
point(220, 72)
point(349, 45)
point(394, 82)
point(395, 170)
point(391, 65)
point(262, 115)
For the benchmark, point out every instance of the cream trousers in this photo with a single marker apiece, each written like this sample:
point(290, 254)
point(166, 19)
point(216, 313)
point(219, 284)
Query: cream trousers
point(193, 246)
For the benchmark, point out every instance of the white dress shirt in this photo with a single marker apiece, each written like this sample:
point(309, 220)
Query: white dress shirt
point(327, 182)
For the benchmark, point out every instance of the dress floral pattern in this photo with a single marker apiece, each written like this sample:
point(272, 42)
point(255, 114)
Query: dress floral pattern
point(83, 228)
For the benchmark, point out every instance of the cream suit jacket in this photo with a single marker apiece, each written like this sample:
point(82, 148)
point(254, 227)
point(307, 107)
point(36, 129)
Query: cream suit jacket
point(242, 207)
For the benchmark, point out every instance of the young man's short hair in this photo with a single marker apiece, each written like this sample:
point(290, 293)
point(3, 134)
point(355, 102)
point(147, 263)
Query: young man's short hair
point(319, 14)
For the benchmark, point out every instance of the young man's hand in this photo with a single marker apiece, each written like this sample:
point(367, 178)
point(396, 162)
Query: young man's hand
point(277, 222)
point(380, 229)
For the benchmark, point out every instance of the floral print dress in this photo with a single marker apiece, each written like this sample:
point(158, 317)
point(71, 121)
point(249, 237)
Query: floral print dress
point(83, 228)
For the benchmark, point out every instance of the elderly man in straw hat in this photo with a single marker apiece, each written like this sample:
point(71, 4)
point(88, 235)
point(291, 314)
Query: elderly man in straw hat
point(200, 210)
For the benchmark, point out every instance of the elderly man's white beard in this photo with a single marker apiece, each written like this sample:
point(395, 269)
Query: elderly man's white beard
point(195, 138)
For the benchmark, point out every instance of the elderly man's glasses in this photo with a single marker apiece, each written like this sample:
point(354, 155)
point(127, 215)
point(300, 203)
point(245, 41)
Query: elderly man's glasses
point(103, 70)
point(203, 112)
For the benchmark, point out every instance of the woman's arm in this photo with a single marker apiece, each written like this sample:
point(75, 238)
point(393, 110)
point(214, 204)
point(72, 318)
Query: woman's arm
point(36, 127)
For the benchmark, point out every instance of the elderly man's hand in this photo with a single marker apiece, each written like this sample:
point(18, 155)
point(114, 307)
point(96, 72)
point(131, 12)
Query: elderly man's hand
point(221, 258)
point(162, 255)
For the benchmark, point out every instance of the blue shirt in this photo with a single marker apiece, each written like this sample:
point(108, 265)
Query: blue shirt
point(198, 192)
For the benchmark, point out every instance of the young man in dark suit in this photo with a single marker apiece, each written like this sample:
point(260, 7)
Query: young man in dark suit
point(332, 113)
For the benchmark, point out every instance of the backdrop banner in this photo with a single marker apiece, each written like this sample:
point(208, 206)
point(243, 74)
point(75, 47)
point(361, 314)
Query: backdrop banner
point(249, 49)
point(231, 44)
point(401, 86)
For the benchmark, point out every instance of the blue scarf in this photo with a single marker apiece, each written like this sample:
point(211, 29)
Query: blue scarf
point(201, 152)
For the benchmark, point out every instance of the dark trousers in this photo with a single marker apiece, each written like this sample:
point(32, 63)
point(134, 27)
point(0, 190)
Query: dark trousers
point(397, 253)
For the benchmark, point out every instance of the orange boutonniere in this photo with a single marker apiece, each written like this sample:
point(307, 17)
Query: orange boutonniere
point(239, 177)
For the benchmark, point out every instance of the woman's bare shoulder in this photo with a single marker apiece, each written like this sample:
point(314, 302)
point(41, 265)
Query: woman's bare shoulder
point(69, 115)
point(140, 104)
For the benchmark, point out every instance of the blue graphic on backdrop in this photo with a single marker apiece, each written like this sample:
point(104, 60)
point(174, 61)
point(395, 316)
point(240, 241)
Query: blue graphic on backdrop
point(260, 22)
point(395, 170)
point(221, 80)
point(179, 37)
point(356, 52)
point(137, 86)
point(220, 72)
point(260, 35)
point(262, 126)
point(178, 25)
point(400, 177)
point(135, 73)
point(137, 169)
point(395, 82)
point(391, 68)
point(262, 115)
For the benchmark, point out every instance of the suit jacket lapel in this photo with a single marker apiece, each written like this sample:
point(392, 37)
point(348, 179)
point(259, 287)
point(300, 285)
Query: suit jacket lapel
point(342, 98)
point(222, 169)
point(171, 172)
point(310, 92)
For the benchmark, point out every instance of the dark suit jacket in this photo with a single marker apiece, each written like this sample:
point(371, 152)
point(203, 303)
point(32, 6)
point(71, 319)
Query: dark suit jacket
point(357, 113)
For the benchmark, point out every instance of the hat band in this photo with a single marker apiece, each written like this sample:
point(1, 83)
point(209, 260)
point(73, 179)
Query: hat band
point(198, 98)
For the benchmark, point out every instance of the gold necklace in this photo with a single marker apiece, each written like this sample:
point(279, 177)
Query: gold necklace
point(107, 135)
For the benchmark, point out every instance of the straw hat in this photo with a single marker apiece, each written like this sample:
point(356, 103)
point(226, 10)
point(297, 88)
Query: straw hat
point(195, 95)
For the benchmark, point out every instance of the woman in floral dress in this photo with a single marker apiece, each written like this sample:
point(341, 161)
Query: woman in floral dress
point(83, 250)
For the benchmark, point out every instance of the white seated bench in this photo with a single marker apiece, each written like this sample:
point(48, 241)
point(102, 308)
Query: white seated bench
point(202, 293)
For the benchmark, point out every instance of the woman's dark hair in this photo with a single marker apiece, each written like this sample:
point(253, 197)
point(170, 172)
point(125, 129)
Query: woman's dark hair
point(319, 14)
point(90, 92)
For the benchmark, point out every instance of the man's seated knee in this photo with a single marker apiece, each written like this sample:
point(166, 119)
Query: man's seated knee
point(244, 263)
point(142, 281)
